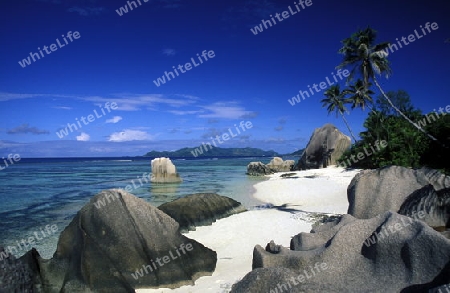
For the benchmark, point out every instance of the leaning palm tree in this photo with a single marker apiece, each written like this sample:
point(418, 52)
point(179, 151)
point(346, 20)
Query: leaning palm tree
point(360, 95)
point(335, 103)
point(368, 59)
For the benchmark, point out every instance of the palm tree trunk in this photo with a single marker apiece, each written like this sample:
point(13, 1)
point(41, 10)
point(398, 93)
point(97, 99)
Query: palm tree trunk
point(348, 127)
point(403, 115)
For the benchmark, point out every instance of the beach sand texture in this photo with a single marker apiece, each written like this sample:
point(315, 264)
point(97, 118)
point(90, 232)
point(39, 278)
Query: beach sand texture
point(233, 238)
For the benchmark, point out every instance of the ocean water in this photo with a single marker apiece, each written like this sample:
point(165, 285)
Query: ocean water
point(39, 197)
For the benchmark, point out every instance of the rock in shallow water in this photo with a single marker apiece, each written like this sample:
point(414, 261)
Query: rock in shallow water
point(258, 169)
point(164, 171)
point(200, 209)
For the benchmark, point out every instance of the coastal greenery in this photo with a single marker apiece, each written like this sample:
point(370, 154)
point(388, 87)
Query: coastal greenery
point(413, 139)
point(214, 152)
point(335, 103)
point(405, 145)
point(367, 59)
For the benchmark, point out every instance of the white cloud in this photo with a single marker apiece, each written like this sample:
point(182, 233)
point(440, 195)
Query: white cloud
point(125, 102)
point(87, 11)
point(227, 110)
point(130, 135)
point(169, 52)
point(180, 112)
point(83, 137)
point(12, 96)
point(63, 107)
point(130, 102)
point(115, 119)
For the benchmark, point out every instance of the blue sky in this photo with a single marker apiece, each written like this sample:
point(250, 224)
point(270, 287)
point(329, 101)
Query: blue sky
point(250, 78)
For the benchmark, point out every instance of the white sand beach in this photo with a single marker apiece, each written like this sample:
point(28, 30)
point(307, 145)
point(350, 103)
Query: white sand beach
point(233, 238)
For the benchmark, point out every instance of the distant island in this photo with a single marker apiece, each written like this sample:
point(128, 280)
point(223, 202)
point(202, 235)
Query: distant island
point(215, 152)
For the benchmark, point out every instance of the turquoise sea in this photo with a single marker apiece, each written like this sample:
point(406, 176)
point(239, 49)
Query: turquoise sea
point(38, 192)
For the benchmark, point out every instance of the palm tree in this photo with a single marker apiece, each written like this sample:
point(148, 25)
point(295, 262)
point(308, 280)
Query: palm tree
point(368, 59)
point(335, 103)
point(360, 95)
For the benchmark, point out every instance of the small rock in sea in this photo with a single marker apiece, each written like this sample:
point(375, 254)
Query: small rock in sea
point(164, 171)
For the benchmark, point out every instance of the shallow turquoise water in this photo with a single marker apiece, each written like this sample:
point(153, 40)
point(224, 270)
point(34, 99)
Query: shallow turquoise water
point(40, 192)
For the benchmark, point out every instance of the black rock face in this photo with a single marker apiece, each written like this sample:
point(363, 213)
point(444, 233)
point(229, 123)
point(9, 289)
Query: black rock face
point(428, 205)
point(15, 276)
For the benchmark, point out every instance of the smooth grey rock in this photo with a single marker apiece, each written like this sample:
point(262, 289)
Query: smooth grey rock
point(326, 145)
point(372, 192)
point(164, 171)
point(278, 165)
point(258, 169)
point(201, 209)
point(408, 256)
point(101, 249)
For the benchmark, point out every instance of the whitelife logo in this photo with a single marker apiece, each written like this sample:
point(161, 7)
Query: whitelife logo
point(76, 35)
point(285, 14)
point(243, 125)
point(23, 244)
point(124, 9)
point(165, 260)
point(90, 118)
point(188, 66)
point(412, 37)
point(323, 85)
point(11, 157)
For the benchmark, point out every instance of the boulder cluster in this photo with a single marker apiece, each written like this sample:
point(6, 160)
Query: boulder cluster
point(126, 245)
point(275, 165)
point(393, 239)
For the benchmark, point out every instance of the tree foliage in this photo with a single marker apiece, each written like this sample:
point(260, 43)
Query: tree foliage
point(405, 145)
point(367, 59)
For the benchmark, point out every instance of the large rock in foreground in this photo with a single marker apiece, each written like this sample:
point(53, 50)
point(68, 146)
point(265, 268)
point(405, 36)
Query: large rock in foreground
point(201, 209)
point(164, 171)
point(325, 147)
point(372, 192)
point(124, 245)
point(388, 253)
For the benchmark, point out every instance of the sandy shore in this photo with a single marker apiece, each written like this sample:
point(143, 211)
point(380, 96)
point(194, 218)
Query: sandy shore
point(233, 238)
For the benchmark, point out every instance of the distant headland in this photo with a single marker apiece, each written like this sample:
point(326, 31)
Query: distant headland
point(217, 152)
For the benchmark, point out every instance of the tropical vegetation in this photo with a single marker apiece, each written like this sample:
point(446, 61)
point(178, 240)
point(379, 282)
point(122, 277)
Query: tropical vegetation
point(414, 139)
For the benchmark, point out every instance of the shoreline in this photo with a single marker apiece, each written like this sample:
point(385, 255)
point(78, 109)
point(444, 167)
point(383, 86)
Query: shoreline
point(234, 237)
